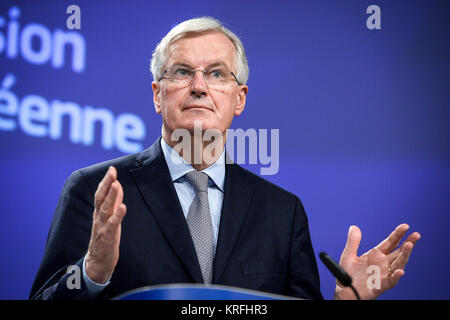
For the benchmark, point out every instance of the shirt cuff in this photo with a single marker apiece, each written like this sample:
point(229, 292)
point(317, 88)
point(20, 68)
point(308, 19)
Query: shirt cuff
point(92, 286)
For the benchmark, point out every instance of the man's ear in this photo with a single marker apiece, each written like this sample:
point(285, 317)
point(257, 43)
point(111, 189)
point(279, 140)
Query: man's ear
point(241, 98)
point(156, 101)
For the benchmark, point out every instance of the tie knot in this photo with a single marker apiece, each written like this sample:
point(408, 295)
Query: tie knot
point(198, 180)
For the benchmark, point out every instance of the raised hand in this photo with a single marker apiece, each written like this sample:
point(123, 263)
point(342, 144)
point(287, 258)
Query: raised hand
point(389, 261)
point(103, 252)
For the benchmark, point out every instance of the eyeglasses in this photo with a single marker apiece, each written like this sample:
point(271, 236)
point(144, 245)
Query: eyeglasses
point(214, 77)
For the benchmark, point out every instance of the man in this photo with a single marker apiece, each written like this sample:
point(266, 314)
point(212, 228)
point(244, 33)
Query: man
point(186, 215)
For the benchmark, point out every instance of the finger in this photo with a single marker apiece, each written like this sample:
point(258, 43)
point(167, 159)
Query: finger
point(353, 241)
point(117, 211)
point(401, 261)
point(393, 279)
point(117, 217)
point(119, 198)
point(104, 186)
point(392, 241)
point(413, 238)
point(107, 207)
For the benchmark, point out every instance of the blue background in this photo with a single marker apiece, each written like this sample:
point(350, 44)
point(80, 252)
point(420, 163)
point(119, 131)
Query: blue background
point(363, 118)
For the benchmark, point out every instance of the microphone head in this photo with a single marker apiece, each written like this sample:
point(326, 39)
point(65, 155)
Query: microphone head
point(339, 273)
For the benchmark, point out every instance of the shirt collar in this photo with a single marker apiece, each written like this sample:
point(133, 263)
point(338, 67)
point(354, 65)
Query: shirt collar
point(178, 166)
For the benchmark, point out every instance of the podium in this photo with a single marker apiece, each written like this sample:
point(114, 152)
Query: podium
point(198, 292)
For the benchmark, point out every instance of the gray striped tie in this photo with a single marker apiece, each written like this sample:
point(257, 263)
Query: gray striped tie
point(200, 225)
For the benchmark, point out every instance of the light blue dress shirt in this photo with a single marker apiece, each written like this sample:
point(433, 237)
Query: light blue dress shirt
point(178, 167)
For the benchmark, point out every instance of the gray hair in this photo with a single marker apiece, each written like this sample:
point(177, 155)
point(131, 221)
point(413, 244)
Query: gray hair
point(198, 25)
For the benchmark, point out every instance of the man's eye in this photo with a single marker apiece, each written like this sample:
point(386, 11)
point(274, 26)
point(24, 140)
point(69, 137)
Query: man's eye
point(217, 73)
point(182, 72)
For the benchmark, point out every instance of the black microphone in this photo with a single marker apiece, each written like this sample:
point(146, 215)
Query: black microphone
point(337, 271)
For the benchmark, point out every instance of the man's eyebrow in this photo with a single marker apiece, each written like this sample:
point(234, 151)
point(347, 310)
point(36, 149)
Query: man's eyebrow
point(212, 65)
point(217, 64)
point(182, 64)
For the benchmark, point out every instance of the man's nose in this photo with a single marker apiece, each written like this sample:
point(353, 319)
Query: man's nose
point(198, 86)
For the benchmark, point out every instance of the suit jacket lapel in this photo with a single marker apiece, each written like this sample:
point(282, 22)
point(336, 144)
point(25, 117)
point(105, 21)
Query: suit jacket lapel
point(155, 184)
point(238, 192)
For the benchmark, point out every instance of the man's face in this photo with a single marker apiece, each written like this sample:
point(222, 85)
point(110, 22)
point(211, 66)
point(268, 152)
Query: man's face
point(214, 106)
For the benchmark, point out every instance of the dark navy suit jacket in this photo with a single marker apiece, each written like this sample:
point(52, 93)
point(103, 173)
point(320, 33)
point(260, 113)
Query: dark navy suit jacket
point(263, 244)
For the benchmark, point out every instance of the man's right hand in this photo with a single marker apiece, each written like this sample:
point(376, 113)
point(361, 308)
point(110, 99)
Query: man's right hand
point(103, 252)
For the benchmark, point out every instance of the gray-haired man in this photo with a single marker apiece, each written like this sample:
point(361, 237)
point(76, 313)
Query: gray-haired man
point(175, 217)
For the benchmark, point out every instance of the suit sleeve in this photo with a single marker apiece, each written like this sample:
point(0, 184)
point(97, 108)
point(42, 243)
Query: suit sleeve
point(67, 244)
point(303, 279)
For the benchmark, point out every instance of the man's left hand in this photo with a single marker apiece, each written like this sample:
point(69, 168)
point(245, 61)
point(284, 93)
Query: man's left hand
point(385, 257)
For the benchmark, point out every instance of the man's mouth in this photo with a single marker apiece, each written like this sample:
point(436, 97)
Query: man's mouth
point(197, 106)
